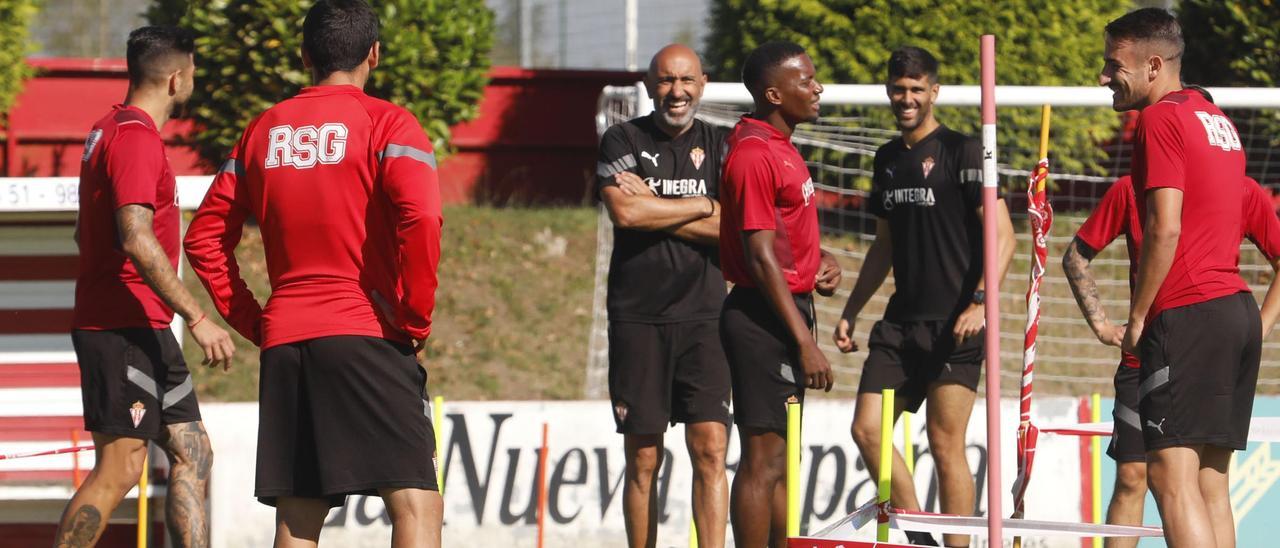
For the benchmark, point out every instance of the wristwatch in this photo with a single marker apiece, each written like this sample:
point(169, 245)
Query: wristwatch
point(979, 296)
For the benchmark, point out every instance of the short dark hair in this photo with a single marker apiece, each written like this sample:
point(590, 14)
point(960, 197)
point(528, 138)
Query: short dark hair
point(337, 34)
point(762, 60)
point(1201, 90)
point(912, 62)
point(1148, 25)
point(150, 51)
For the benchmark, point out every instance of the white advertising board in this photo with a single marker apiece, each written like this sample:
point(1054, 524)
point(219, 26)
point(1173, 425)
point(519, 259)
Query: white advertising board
point(491, 454)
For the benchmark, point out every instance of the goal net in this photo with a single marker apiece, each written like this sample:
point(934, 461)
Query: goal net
point(1089, 148)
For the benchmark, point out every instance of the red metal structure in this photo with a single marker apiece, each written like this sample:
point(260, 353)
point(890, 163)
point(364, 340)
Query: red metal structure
point(534, 141)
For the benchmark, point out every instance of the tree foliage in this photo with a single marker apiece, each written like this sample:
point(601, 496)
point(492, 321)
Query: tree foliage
point(435, 61)
point(15, 18)
point(1038, 43)
point(1234, 44)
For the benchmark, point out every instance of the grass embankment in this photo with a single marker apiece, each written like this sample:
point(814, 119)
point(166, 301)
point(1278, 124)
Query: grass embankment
point(512, 312)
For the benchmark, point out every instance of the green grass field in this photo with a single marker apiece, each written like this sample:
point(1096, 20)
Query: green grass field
point(512, 312)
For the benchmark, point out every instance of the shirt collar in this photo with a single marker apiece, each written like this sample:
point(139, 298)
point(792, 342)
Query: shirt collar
point(773, 131)
point(146, 118)
point(317, 91)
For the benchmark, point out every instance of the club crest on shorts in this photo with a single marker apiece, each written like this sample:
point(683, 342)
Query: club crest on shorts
point(620, 411)
point(697, 155)
point(927, 166)
point(137, 411)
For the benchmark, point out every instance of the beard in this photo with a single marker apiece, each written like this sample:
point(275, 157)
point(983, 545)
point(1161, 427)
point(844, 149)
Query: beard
point(1123, 100)
point(922, 113)
point(679, 120)
point(179, 108)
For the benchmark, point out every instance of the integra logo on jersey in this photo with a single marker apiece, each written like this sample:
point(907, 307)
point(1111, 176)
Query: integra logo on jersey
point(677, 187)
point(305, 146)
point(90, 143)
point(911, 196)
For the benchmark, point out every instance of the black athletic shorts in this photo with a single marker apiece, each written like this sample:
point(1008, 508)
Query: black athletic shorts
point(910, 356)
point(1126, 436)
point(342, 415)
point(667, 373)
point(133, 381)
point(1199, 373)
point(763, 360)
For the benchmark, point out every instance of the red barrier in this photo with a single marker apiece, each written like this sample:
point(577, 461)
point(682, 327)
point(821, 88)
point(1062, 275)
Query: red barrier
point(534, 140)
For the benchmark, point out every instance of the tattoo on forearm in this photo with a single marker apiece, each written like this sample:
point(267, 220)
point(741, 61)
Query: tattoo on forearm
point(81, 528)
point(190, 461)
point(150, 259)
point(1075, 262)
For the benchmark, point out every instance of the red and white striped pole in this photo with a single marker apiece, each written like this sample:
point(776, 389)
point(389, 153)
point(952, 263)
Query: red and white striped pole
point(991, 270)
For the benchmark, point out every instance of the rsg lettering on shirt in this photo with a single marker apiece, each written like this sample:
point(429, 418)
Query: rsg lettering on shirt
point(1219, 130)
point(914, 196)
point(303, 147)
point(677, 187)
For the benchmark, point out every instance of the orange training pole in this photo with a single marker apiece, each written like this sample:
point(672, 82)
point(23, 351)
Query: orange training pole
point(542, 488)
point(75, 459)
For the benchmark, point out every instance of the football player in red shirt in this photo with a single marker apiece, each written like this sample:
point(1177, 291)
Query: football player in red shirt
point(770, 250)
point(344, 189)
point(135, 383)
point(1115, 215)
point(1192, 321)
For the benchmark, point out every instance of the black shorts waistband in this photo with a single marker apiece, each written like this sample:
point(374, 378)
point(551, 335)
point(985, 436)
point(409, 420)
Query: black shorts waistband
point(752, 297)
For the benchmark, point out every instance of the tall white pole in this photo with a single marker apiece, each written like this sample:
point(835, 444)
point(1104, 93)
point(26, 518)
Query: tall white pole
point(991, 267)
point(632, 14)
point(526, 33)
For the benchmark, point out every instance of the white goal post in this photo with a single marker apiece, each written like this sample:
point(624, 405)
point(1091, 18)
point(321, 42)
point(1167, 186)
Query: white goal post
point(840, 147)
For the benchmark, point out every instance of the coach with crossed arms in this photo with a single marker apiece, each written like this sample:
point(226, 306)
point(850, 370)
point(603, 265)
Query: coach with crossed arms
point(659, 177)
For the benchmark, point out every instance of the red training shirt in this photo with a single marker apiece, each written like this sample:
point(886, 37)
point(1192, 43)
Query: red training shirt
point(766, 186)
point(344, 188)
point(1186, 143)
point(1117, 213)
point(123, 163)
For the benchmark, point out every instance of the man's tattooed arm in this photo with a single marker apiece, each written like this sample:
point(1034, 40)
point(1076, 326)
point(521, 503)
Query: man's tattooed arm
point(138, 241)
point(1075, 262)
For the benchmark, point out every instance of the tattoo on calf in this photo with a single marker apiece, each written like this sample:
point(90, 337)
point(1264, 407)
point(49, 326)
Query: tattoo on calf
point(188, 447)
point(81, 528)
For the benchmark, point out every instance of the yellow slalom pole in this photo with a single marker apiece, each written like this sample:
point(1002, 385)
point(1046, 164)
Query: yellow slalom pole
point(908, 450)
point(143, 520)
point(437, 418)
point(693, 532)
point(793, 468)
point(886, 458)
point(1044, 139)
point(1096, 457)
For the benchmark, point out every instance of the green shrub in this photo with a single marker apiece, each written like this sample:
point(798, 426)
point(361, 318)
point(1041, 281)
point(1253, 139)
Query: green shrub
point(15, 18)
point(435, 61)
point(1038, 43)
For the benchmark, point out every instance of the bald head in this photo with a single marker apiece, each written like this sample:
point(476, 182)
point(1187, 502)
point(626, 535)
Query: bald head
point(675, 81)
point(672, 58)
